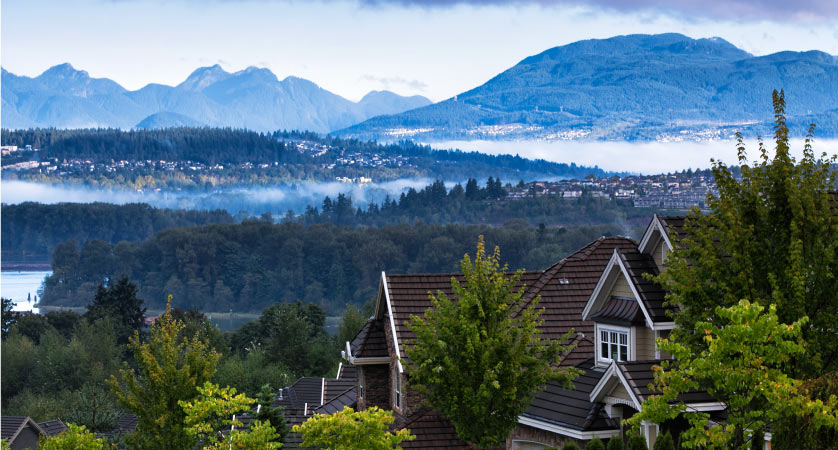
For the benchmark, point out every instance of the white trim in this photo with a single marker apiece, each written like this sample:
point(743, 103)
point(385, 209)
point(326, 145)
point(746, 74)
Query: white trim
point(322, 390)
point(565, 431)
point(664, 326)
point(599, 286)
point(649, 322)
point(603, 381)
point(606, 380)
point(630, 341)
point(347, 355)
point(705, 406)
point(637, 403)
point(654, 225)
point(392, 322)
point(340, 366)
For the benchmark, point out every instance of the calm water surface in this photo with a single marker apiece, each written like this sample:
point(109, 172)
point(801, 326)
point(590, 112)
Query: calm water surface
point(22, 288)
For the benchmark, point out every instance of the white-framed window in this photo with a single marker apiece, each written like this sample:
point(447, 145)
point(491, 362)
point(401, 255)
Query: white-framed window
point(360, 381)
point(397, 388)
point(613, 344)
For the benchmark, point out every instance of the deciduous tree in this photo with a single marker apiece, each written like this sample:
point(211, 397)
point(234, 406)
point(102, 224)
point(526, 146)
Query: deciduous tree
point(348, 430)
point(742, 363)
point(479, 357)
point(169, 370)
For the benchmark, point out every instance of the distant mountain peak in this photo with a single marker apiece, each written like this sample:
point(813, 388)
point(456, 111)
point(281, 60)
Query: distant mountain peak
point(203, 77)
point(65, 70)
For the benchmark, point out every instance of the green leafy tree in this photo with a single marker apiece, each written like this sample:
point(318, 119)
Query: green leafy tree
point(215, 410)
point(351, 322)
point(771, 236)
point(348, 430)
point(741, 364)
point(77, 437)
point(169, 370)
point(479, 358)
point(801, 433)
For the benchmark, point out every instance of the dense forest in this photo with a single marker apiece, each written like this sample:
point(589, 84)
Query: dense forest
point(288, 156)
point(30, 231)
point(473, 204)
point(248, 266)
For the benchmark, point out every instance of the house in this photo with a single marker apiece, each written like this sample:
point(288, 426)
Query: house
point(21, 432)
point(556, 415)
point(53, 427)
point(313, 395)
point(600, 292)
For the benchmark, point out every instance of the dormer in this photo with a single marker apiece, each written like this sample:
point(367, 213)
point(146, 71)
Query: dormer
point(656, 240)
point(627, 310)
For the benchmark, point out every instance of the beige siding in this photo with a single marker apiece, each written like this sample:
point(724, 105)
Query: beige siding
point(621, 287)
point(659, 254)
point(645, 344)
point(620, 392)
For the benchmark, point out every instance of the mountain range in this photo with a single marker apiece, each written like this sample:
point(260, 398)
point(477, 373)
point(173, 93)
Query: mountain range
point(254, 98)
point(664, 87)
point(636, 87)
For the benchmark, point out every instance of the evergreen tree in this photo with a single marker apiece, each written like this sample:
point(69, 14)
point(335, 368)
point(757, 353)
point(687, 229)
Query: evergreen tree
point(120, 302)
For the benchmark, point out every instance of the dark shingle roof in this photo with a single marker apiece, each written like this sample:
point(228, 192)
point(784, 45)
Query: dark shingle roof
point(572, 408)
point(53, 427)
point(640, 375)
point(620, 311)
point(651, 294)
point(674, 226)
point(336, 404)
point(432, 430)
point(564, 289)
point(371, 340)
point(10, 426)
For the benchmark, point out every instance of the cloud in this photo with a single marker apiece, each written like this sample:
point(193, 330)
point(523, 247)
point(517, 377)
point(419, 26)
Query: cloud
point(807, 10)
point(389, 82)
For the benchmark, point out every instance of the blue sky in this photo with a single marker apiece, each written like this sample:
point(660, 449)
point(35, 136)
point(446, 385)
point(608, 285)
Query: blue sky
point(435, 48)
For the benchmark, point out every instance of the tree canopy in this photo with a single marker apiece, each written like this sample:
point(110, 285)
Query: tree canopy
point(479, 357)
point(348, 430)
point(771, 236)
point(169, 370)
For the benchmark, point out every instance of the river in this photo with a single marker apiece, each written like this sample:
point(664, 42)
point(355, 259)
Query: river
point(22, 288)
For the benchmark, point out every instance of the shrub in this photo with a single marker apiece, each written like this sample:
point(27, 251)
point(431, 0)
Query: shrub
point(595, 444)
point(570, 446)
point(664, 442)
point(637, 442)
point(615, 443)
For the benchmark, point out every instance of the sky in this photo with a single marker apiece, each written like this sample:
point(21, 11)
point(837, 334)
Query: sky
point(434, 48)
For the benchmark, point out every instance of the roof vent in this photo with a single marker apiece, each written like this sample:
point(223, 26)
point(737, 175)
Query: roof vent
point(564, 281)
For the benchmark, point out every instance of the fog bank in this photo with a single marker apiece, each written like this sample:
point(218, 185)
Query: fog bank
point(645, 158)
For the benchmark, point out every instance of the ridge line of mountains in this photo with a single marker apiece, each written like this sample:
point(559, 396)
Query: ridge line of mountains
point(664, 87)
point(253, 98)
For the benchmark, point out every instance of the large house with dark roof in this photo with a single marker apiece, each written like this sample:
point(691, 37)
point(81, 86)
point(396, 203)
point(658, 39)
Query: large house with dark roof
point(600, 292)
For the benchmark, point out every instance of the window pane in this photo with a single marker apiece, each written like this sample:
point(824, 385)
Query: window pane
point(623, 339)
point(623, 353)
point(604, 350)
point(613, 337)
point(603, 335)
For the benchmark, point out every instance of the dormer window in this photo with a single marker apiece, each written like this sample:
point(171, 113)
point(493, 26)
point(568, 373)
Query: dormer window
point(613, 344)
